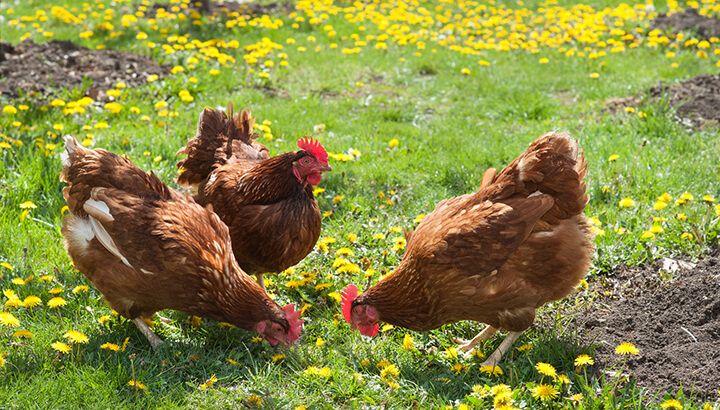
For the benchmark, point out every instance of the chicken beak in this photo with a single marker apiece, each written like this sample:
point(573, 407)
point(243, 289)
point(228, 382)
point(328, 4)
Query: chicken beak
point(325, 168)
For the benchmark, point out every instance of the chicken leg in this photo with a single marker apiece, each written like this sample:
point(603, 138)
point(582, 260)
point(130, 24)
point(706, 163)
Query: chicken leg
point(505, 345)
point(154, 340)
point(260, 280)
point(486, 334)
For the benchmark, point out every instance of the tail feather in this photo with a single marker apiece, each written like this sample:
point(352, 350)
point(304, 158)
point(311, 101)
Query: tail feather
point(73, 150)
point(85, 169)
point(220, 138)
point(553, 164)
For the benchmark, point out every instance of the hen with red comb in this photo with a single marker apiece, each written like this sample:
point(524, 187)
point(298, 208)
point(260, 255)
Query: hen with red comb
point(361, 317)
point(313, 147)
point(267, 202)
point(492, 256)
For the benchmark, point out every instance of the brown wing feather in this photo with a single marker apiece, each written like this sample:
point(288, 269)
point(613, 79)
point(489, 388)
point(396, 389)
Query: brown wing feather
point(475, 237)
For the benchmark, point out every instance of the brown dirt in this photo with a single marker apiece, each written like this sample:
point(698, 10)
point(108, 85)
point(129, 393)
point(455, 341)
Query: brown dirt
point(42, 68)
point(650, 307)
point(689, 20)
point(696, 100)
point(250, 8)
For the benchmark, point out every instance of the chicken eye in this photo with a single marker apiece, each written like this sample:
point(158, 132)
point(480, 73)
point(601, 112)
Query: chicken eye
point(305, 161)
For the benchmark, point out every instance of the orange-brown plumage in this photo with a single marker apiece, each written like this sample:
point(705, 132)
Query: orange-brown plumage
point(147, 248)
point(267, 202)
point(496, 255)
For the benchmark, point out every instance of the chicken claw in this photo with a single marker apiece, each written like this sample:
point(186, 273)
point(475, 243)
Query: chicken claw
point(154, 340)
point(466, 346)
point(505, 345)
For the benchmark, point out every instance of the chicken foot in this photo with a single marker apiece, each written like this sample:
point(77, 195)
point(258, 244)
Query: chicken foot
point(505, 345)
point(466, 345)
point(154, 340)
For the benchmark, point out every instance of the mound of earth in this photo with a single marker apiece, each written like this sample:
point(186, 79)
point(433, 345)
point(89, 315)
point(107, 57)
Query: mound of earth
point(219, 7)
point(696, 100)
point(672, 314)
point(41, 68)
point(689, 20)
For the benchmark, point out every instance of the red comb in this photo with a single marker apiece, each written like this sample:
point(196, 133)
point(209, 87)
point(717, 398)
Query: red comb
point(296, 324)
point(348, 296)
point(314, 147)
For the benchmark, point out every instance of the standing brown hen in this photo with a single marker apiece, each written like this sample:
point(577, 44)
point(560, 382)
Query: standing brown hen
point(493, 256)
point(148, 248)
point(267, 202)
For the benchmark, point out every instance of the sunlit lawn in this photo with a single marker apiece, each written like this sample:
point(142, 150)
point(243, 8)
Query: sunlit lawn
point(414, 110)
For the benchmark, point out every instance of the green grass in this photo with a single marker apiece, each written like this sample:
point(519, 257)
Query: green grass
point(451, 127)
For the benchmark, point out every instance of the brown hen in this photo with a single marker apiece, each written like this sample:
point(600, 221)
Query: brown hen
point(267, 202)
point(493, 256)
point(147, 248)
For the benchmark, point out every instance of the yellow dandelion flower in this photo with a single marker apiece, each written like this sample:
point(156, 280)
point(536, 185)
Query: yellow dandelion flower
point(56, 302)
point(61, 347)
point(255, 400)
point(390, 372)
point(525, 348)
point(31, 301)
point(491, 370)
point(408, 343)
point(671, 404)
point(660, 205)
point(576, 398)
point(7, 319)
point(80, 289)
point(2, 360)
point(110, 346)
point(136, 384)
point(584, 360)
point(546, 369)
point(626, 203)
point(277, 357)
point(76, 337)
point(627, 348)
point(208, 383)
point(113, 107)
point(23, 334)
point(6, 265)
point(393, 143)
point(544, 392)
point(345, 252)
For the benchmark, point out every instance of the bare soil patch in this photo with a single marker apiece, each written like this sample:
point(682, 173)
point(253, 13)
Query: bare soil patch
point(695, 101)
point(688, 20)
point(245, 7)
point(42, 68)
point(672, 317)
